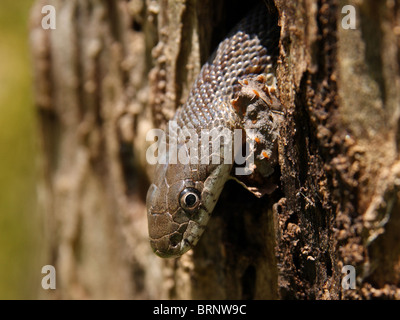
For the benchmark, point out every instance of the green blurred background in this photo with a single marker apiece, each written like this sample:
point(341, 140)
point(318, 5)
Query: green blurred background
point(20, 228)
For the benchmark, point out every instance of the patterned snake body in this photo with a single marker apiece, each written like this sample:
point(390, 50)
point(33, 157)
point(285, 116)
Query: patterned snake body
point(182, 197)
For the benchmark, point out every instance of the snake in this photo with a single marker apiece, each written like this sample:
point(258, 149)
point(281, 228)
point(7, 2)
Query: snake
point(182, 196)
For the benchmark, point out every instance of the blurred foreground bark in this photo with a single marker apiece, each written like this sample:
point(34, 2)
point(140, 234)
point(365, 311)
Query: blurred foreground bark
point(112, 70)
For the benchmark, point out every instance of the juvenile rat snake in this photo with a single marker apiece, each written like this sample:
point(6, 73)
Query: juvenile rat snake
point(182, 196)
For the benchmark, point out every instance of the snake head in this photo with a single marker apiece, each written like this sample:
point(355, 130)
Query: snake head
point(179, 205)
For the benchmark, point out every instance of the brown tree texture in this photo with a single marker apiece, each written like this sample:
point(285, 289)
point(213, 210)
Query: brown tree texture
point(112, 70)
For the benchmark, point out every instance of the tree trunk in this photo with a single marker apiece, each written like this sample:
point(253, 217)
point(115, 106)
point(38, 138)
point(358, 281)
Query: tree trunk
point(112, 70)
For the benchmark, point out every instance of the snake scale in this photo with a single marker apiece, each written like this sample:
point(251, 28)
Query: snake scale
point(234, 90)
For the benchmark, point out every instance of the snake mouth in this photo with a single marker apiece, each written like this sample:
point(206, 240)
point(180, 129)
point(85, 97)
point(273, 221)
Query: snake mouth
point(165, 248)
point(167, 237)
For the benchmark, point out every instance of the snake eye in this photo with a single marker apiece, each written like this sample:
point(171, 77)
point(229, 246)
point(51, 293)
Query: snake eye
point(189, 199)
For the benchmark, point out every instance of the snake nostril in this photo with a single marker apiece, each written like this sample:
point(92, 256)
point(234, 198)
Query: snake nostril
point(175, 239)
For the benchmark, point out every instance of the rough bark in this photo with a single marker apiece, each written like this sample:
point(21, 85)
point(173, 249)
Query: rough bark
point(114, 69)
